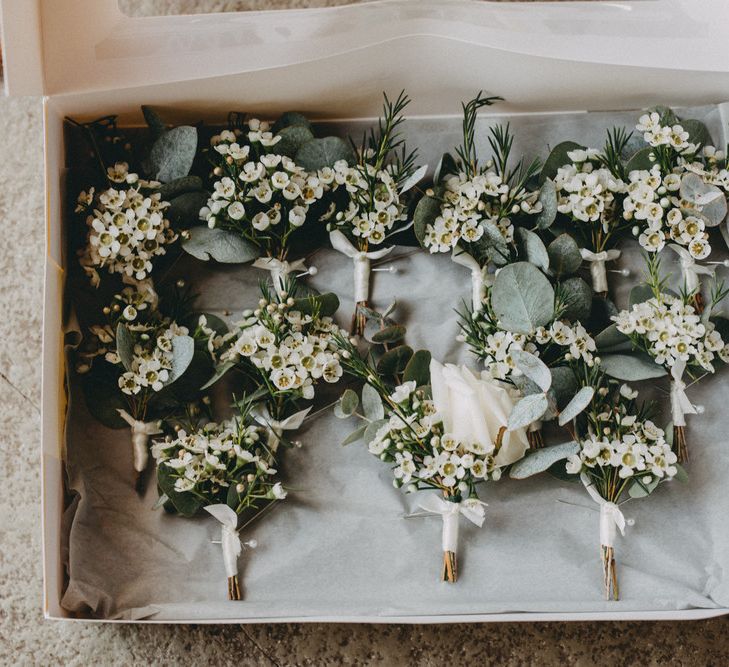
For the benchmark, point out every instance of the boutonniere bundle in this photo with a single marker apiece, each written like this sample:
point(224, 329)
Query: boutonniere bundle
point(676, 340)
point(369, 202)
point(440, 428)
point(224, 469)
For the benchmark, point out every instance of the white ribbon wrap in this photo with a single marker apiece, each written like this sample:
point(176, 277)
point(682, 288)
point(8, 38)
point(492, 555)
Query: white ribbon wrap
point(361, 261)
point(597, 266)
point(279, 270)
point(141, 433)
point(690, 270)
point(472, 509)
point(229, 538)
point(478, 276)
point(680, 404)
point(611, 518)
point(276, 428)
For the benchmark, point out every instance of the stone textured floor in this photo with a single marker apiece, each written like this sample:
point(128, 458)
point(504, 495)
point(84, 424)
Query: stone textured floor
point(25, 638)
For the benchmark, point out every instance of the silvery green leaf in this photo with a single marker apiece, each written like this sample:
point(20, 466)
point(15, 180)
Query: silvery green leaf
point(220, 371)
point(180, 186)
point(389, 334)
point(640, 161)
point(155, 123)
point(347, 404)
point(578, 403)
point(372, 403)
point(528, 410)
point(535, 250)
point(576, 296)
point(557, 158)
point(418, 369)
point(612, 340)
point(291, 119)
point(427, 210)
point(124, 345)
point(533, 367)
point(564, 256)
point(389, 310)
point(525, 385)
point(493, 244)
point(668, 117)
point(173, 153)
point(292, 139)
point(522, 298)
point(219, 244)
point(354, 436)
point(395, 360)
point(681, 474)
point(698, 132)
point(184, 209)
point(539, 460)
point(564, 384)
point(320, 153)
point(631, 367)
point(639, 489)
point(414, 179)
point(183, 349)
point(371, 430)
point(709, 198)
point(325, 305)
point(548, 199)
point(446, 167)
point(640, 294)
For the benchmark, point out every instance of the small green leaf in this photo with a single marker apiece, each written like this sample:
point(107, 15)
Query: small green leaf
point(564, 256)
point(394, 361)
point(557, 158)
point(354, 436)
point(533, 367)
point(324, 304)
point(372, 405)
point(427, 210)
point(631, 367)
point(539, 460)
point(418, 369)
point(528, 410)
point(173, 153)
point(183, 349)
point(292, 139)
point(681, 474)
point(641, 161)
point(522, 298)
point(548, 199)
point(347, 404)
point(576, 296)
point(319, 153)
point(389, 334)
point(534, 249)
point(578, 403)
point(124, 345)
point(221, 245)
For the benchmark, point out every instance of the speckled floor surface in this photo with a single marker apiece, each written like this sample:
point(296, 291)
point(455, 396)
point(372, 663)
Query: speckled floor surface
point(25, 638)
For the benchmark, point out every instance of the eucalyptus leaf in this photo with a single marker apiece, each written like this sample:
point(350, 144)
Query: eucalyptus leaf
point(418, 369)
point(534, 249)
point(173, 153)
point(528, 410)
point(533, 367)
point(709, 198)
point(292, 139)
point(371, 430)
point(576, 296)
point(493, 244)
point(188, 386)
point(325, 305)
point(414, 179)
point(186, 503)
point(155, 123)
point(347, 404)
point(183, 349)
point(564, 384)
point(612, 340)
point(681, 474)
point(557, 158)
point(103, 398)
point(631, 367)
point(578, 403)
point(395, 360)
point(639, 489)
point(221, 245)
point(564, 256)
point(319, 153)
point(639, 294)
point(180, 186)
point(220, 371)
point(640, 161)
point(291, 119)
point(446, 166)
point(426, 211)
point(698, 132)
point(522, 298)
point(389, 334)
point(372, 403)
point(184, 209)
point(539, 460)
point(124, 345)
point(354, 436)
point(548, 200)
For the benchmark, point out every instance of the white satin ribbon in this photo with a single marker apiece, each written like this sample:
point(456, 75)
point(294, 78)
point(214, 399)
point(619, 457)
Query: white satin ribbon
point(361, 263)
point(229, 538)
point(680, 404)
point(478, 276)
point(597, 266)
point(279, 270)
point(141, 432)
point(611, 518)
point(472, 509)
point(690, 270)
point(276, 428)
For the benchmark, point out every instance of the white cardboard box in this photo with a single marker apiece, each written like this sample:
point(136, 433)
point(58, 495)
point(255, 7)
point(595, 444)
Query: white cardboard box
point(88, 59)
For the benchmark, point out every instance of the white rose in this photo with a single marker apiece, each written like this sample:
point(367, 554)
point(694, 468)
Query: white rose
point(475, 409)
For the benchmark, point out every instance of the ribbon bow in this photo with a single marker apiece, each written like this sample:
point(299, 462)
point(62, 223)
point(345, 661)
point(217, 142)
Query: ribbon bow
point(611, 517)
point(276, 428)
point(478, 276)
point(689, 268)
point(141, 432)
point(597, 266)
point(229, 538)
point(680, 404)
point(361, 262)
point(279, 270)
point(472, 509)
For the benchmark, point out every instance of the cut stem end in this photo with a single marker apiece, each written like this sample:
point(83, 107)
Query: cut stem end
point(679, 443)
point(450, 567)
point(609, 573)
point(234, 588)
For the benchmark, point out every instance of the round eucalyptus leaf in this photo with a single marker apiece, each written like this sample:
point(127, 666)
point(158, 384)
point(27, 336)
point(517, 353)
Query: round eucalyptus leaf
point(539, 460)
point(564, 256)
point(371, 430)
point(320, 153)
point(522, 298)
point(394, 361)
point(184, 209)
point(173, 153)
point(548, 199)
point(389, 334)
point(291, 119)
point(640, 161)
point(124, 345)
point(180, 186)
point(102, 395)
point(372, 405)
point(528, 410)
point(221, 245)
point(557, 158)
point(576, 296)
point(631, 367)
point(347, 404)
point(639, 489)
point(183, 349)
point(426, 211)
point(612, 340)
point(534, 249)
point(533, 367)
point(355, 435)
point(698, 132)
point(418, 369)
point(292, 139)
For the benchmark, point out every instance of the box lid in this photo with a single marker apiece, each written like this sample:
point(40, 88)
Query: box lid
point(52, 47)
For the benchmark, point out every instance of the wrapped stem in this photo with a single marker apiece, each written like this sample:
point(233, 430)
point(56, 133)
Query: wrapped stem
point(609, 573)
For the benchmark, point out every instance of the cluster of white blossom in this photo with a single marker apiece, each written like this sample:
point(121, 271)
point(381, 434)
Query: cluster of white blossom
point(216, 456)
point(585, 190)
point(469, 201)
point(655, 133)
point(291, 349)
point(495, 346)
point(415, 442)
point(258, 190)
point(373, 206)
point(151, 360)
point(670, 330)
point(127, 227)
